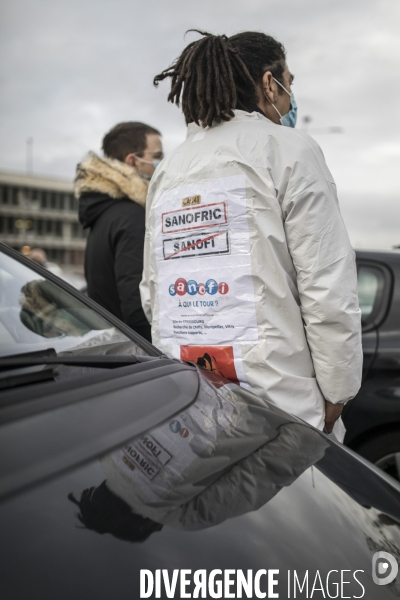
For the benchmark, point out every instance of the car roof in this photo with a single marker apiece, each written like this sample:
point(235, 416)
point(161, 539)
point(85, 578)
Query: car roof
point(388, 257)
point(369, 253)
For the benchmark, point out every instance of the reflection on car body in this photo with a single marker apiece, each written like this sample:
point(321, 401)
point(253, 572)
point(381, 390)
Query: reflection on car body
point(187, 476)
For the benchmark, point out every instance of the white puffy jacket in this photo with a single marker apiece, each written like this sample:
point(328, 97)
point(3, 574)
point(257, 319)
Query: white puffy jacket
point(248, 267)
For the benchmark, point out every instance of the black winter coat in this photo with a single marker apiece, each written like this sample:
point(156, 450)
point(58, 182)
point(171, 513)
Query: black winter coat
point(114, 256)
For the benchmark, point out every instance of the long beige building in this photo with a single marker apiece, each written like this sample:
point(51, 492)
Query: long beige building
point(42, 212)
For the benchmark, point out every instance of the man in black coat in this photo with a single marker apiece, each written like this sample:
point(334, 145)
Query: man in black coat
point(112, 196)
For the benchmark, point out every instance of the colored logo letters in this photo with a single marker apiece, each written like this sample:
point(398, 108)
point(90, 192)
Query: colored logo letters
point(181, 287)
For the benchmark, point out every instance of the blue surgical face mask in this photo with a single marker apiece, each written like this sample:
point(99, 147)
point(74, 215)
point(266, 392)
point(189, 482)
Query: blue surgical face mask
point(288, 120)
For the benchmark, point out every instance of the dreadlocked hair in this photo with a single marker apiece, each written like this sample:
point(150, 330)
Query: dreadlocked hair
point(216, 74)
point(213, 77)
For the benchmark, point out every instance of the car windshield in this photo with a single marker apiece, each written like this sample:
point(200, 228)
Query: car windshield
point(37, 314)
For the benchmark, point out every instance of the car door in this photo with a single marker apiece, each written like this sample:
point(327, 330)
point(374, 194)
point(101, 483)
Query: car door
point(372, 416)
point(375, 282)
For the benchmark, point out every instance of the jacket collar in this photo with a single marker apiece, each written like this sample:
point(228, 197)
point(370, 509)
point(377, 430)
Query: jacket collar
point(110, 176)
point(240, 115)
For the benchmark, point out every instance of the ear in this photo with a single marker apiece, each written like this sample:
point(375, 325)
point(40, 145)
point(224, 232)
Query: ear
point(269, 86)
point(131, 160)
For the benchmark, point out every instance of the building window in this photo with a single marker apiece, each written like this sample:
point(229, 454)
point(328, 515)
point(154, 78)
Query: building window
point(58, 228)
point(77, 231)
point(15, 196)
point(4, 194)
point(25, 194)
point(39, 226)
point(72, 202)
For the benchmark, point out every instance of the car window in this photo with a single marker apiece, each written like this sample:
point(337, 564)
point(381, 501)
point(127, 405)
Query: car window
point(368, 286)
point(374, 290)
point(36, 314)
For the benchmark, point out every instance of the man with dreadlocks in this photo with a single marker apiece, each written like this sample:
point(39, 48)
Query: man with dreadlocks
point(247, 259)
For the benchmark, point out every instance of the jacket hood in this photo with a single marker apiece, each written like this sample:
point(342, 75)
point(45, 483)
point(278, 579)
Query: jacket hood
point(92, 205)
point(109, 177)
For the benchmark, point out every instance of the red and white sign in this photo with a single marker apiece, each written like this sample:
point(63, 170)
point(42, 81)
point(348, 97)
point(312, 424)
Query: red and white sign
point(194, 217)
point(205, 243)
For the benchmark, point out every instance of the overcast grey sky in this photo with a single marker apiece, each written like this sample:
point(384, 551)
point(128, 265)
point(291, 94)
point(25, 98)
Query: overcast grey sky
point(71, 70)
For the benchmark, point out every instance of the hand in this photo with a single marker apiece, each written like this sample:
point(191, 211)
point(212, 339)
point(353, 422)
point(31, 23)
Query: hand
point(332, 413)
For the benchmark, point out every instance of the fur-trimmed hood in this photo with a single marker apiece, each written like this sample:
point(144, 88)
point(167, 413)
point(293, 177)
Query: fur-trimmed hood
point(110, 177)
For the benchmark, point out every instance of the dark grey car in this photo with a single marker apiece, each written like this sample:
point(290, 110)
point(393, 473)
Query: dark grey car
point(372, 418)
point(78, 385)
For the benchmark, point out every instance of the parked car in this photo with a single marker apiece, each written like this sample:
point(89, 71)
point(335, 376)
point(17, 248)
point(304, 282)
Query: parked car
point(77, 386)
point(372, 418)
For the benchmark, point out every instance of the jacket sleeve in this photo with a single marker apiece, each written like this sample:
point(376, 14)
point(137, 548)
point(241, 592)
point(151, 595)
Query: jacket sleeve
point(145, 284)
point(128, 264)
point(259, 477)
point(327, 283)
